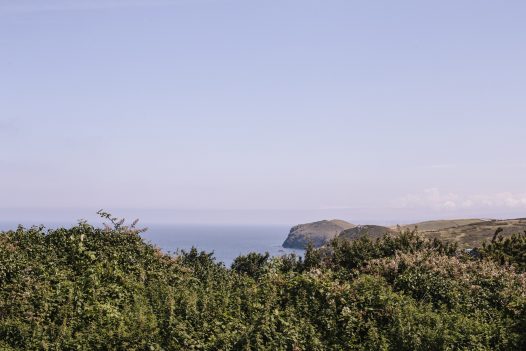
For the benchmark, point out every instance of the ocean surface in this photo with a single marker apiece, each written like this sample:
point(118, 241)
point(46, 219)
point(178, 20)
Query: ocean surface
point(225, 241)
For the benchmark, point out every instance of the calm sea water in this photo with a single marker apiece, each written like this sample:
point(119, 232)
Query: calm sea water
point(225, 241)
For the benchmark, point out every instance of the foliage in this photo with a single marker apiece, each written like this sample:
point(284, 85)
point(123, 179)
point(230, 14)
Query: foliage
point(252, 264)
point(87, 288)
point(345, 255)
point(510, 250)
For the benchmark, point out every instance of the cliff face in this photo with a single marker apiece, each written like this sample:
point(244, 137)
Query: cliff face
point(318, 233)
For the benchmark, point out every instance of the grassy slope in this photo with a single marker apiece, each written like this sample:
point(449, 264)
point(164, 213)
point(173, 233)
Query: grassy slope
point(469, 232)
point(441, 224)
point(343, 224)
point(371, 231)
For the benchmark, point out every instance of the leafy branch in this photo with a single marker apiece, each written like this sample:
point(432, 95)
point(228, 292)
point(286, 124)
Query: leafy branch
point(119, 223)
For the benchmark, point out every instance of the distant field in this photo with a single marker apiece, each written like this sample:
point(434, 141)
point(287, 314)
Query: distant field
point(441, 224)
point(469, 232)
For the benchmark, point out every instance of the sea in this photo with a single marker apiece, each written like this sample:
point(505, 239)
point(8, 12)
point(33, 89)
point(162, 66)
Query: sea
point(226, 242)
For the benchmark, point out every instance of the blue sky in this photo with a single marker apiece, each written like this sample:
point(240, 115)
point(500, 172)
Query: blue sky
point(262, 111)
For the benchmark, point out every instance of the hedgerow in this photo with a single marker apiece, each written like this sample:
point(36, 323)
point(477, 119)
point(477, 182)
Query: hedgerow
point(88, 288)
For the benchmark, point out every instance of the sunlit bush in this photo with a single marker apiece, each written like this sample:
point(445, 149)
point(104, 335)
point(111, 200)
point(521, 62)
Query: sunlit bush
point(87, 288)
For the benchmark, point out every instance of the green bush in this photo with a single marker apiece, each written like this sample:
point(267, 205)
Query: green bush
point(510, 250)
point(87, 288)
point(252, 264)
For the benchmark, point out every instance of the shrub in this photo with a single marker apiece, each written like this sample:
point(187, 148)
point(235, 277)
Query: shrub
point(510, 250)
point(87, 288)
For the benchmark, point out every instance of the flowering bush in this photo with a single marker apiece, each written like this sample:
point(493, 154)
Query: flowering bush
point(85, 288)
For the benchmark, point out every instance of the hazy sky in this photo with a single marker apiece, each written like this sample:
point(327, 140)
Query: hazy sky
point(263, 111)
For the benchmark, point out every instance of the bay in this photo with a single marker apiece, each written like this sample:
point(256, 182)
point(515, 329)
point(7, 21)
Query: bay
point(225, 241)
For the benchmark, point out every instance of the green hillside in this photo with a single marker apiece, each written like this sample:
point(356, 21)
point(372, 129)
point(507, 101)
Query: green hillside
point(469, 233)
point(371, 231)
point(440, 224)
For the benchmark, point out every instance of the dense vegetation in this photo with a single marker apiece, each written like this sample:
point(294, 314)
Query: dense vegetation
point(87, 288)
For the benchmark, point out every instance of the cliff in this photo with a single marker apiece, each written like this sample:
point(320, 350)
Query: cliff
point(317, 233)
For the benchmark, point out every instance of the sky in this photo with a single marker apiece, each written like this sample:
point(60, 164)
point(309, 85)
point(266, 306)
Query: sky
point(223, 111)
